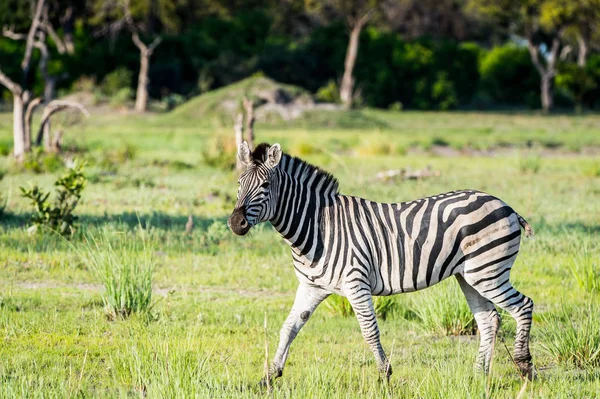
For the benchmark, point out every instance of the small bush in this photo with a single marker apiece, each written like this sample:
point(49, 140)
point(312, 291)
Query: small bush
point(530, 164)
point(329, 93)
point(37, 161)
point(571, 335)
point(443, 310)
point(122, 97)
point(5, 149)
point(220, 153)
point(60, 217)
point(115, 81)
point(126, 272)
point(173, 100)
point(396, 106)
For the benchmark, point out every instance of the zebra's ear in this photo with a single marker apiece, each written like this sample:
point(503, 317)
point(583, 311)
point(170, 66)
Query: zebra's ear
point(274, 155)
point(244, 153)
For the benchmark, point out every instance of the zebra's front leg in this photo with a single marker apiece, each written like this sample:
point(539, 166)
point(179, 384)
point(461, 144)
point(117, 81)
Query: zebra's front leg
point(307, 300)
point(362, 304)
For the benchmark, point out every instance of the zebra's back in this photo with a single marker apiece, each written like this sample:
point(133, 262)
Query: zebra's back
point(412, 245)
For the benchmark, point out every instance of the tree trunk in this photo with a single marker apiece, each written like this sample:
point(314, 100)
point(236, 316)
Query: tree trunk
point(546, 92)
point(20, 144)
point(141, 97)
point(249, 108)
point(239, 138)
point(347, 86)
point(582, 53)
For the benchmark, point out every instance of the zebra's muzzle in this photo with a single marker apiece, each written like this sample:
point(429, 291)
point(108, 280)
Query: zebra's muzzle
point(238, 223)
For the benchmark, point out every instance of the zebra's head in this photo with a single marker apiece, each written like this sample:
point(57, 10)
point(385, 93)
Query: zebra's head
point(257, 187)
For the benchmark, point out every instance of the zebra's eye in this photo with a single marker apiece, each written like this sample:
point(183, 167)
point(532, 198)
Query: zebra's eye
point(265, 185)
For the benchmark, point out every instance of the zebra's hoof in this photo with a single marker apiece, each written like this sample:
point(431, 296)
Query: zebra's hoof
point(386, 372)
point(527, 369)
point(267, 381)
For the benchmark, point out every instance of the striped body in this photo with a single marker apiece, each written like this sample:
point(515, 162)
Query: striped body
point(359, 248)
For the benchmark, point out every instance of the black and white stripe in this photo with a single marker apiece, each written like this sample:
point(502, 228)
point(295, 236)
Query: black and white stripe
point(360, 248)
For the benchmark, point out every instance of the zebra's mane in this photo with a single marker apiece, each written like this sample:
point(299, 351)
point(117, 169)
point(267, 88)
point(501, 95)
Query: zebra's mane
point(291, 165)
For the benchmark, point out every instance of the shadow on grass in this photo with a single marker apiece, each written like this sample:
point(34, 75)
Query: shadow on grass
point(131, 220)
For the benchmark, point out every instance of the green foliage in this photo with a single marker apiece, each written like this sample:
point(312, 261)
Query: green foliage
point(121, 97)
point(125, 269)
point(443, 310)
point(330, 93)
point(385, 306)
point(576, 81)
point(38, 161)
point(586, 271)
point(115, 82)
point(570, 335)
point(60, 217)
point(508, 77)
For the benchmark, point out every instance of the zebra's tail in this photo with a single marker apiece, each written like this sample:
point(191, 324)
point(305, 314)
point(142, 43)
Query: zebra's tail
point(526, 226)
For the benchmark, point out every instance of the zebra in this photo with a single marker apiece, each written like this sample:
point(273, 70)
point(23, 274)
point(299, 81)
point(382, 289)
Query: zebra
point(358, 248)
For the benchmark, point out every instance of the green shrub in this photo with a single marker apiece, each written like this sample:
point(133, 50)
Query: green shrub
point(576, 81)
point(396, 106)
point(5, 149)
point(126, 271)
point(571, 335)
point(60, 217)
point(508, 76)
point(329, 93)
point(122, 97)
point(443, 310)
point(115, 81)
point(443, 92)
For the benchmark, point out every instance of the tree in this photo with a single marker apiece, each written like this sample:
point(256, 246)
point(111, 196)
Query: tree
point(357, 14)
point(24, 101)
point(546, 25)
point(148, 18)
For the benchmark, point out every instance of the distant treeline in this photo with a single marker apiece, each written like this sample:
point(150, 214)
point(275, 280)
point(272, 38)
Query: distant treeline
point(390, 72)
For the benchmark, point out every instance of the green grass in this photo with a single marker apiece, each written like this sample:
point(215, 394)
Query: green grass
point(211, 290)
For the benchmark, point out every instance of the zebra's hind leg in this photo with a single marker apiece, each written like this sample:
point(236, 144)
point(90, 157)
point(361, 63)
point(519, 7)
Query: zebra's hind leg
point(362, 303)
point(488, 323)
point(520, 307)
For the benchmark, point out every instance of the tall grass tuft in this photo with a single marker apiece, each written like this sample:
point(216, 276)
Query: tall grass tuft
point(571, 335)
point(444, 311)
point(385, 307)
point(126, 271)
point(586, 271)
point(530, 164)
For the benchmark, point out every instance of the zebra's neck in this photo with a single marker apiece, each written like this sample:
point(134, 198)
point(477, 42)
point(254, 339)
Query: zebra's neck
point(304, 191)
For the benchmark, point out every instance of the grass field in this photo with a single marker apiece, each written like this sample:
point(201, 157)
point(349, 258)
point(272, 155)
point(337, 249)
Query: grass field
point(205, 334)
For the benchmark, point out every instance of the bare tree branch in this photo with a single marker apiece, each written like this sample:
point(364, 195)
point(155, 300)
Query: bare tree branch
point(146, 50)
point(11, 34)
point(10, 85)
point(47, 26)
point(35, 24)
point(28, 118)
point(249, 108)
point(54, 107)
